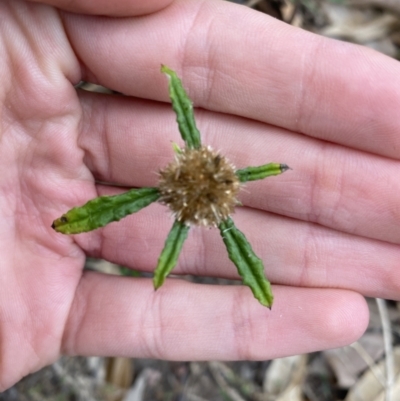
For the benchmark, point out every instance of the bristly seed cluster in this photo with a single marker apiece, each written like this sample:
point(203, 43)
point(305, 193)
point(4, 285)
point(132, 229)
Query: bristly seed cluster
point(200, 187)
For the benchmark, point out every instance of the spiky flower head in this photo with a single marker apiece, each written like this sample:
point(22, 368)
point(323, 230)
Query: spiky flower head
point(200, 186)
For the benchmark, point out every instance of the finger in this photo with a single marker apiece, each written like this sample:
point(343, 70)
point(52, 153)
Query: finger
point(119, 8)
point(128, 141)
point(119, 316)
point(293, 252)
point(258, 67)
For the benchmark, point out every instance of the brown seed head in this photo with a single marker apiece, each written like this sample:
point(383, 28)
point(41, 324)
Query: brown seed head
point(200, 187)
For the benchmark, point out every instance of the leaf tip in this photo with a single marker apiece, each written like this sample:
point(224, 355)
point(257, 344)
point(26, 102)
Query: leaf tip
point(267, 303)
point(266, 299)
point(166, 70)
point(157, 283)
point(59, 223)
point(176, 148)
point(270, 300)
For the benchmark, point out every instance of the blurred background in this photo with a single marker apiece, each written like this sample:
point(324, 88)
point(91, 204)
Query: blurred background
point(354, 373)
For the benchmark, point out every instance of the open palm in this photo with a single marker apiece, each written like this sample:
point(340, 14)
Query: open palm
point(327, 231)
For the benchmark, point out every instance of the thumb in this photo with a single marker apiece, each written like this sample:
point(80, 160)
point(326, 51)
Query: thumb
point(115, 8)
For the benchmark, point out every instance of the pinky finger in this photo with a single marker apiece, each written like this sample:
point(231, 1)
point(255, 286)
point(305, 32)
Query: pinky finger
point(118, 316)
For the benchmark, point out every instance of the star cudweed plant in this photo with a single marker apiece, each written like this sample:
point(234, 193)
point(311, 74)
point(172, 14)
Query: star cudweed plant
point(200, 187)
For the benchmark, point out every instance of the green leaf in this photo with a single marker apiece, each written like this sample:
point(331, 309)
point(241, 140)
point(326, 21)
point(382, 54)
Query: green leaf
point(176, 148)
point(260, 172)
point(103, 210)
point(170, 253)
point(250, 267)
point(183, 108)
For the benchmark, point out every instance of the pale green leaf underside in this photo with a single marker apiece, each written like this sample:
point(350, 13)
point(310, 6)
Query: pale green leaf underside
point(260, 172)
point(183, 108)
point(103, 210)
point(250, 267)
point(170, 253)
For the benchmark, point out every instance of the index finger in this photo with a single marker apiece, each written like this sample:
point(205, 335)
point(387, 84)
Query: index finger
point(256, 67)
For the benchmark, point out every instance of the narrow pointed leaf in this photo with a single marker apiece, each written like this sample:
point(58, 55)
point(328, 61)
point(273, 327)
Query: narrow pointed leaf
point(170, 253)
point(103, 210)
point(183, 108)
point(250, 267)
point(261, 172)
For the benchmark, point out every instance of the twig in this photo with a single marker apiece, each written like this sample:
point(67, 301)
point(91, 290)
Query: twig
point(309, 392)
point(252, 3)
point(231, 393)
point(388, 344)
point(77, 384)
point(294, 13)
point(369, 361)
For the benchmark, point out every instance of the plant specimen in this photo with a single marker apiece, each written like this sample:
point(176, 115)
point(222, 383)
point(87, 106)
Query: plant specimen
point(200, 186)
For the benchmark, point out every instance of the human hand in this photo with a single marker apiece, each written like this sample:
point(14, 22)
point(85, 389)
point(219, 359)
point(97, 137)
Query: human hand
point(269, 92)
